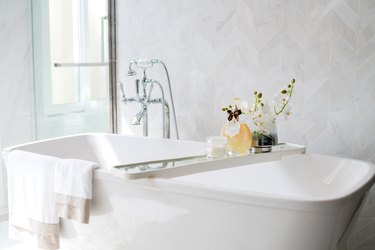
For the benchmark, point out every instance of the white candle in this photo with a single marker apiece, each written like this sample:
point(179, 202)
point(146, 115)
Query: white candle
point(216, 147)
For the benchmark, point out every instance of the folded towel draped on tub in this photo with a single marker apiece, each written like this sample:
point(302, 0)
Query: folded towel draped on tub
point(41, 189)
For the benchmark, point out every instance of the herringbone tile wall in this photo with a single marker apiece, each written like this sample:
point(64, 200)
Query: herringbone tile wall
point(219, 49)
point(216, 50)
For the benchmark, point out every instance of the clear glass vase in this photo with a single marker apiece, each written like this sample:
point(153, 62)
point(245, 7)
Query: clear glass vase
point(238, 136)
point(264, 136)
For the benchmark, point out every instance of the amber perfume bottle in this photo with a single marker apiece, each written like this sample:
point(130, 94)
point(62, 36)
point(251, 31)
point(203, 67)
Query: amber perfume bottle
point(239, 137)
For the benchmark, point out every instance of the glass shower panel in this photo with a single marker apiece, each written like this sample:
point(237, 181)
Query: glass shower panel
point(65, 86)
point(71, 70)
point(96, 43)
point(64, 47)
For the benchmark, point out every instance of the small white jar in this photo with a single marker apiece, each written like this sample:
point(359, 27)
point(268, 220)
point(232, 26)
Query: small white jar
point(216, 147)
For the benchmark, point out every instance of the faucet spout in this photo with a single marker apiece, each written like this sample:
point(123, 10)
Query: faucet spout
point(137, 118)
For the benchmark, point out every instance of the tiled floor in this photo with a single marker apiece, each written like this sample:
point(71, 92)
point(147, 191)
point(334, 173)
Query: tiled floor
point(5, 243)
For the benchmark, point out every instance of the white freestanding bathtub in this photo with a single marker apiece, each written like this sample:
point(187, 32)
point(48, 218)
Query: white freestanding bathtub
point(301, 202)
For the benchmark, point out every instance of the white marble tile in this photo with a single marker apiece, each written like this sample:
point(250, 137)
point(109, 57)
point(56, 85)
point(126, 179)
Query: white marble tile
point(16, 106)
point(353, 4)
point(346, 33)
point(318, 39)
point(347, 14)
point(317, 10)
point(366, 35)
point(15, 30)
point(364, 121)
point(366, 13)
point(15, 103)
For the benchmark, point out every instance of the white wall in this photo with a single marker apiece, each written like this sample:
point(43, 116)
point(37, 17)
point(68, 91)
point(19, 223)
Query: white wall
point(15, 77)
point(220, 49)
point(217, 50)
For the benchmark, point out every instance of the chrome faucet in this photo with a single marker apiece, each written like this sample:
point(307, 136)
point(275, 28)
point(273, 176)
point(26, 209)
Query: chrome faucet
point(137, 118)
point(144, 98)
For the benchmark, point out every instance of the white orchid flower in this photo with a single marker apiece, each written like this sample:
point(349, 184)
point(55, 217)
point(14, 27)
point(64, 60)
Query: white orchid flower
point(277, 99)
point(244, 106)
point(287, 111)
point(266, 108)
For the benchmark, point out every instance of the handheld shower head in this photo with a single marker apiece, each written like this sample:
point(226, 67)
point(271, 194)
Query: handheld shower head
point(144, 63)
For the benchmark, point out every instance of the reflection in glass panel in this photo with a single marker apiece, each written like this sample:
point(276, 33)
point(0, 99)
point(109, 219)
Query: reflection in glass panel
point(65, 85)
point(71, 69)
point(98, 82)
point(64, 47)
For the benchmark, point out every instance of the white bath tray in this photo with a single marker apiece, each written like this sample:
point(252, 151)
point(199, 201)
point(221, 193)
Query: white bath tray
point(183, 166)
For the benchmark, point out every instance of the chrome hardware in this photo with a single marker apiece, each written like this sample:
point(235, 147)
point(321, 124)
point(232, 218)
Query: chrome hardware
point(144, 88)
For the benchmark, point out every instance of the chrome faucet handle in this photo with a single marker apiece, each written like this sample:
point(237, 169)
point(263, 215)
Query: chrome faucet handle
point(137, 83)
point(124, 100)
point(149, 92)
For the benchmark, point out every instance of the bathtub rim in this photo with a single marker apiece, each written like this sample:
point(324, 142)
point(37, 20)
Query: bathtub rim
point(329, 201)
point(237, 196)
point(254, 198)
point(86, 137)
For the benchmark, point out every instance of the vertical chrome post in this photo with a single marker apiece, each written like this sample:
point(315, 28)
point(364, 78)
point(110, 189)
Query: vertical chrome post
point(112, 65)
point(145, 123)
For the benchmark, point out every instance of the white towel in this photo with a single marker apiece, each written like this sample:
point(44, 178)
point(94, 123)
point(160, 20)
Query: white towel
point(32, 182)
point(73, 188)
